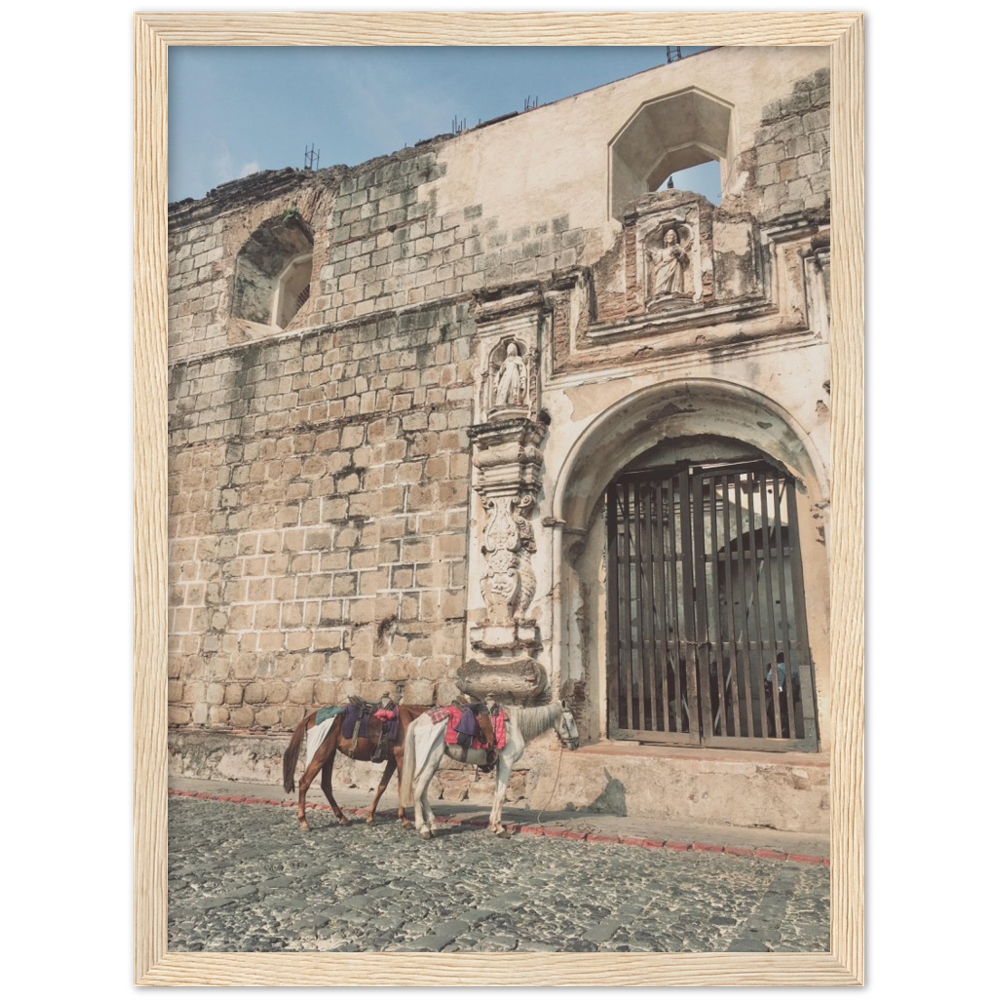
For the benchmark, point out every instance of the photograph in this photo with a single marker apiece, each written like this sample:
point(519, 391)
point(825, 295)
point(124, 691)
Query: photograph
point(507, 419)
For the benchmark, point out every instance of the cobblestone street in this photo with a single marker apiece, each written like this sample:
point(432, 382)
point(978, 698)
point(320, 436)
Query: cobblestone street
point(244, 877)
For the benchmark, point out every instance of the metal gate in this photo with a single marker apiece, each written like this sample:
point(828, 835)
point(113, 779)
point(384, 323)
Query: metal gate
point(707, 640)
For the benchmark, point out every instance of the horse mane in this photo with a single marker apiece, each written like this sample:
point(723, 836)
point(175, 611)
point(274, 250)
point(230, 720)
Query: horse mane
point(534, 721)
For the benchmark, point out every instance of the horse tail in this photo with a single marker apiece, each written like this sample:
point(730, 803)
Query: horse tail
point(291, 757)
point(409, 766)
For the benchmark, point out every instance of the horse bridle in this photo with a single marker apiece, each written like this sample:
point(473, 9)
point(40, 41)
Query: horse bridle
point(568, 742)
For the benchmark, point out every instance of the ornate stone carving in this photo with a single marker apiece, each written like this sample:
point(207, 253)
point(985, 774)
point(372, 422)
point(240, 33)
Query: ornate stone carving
point(507, 459)
point(506, 456)
point(508, 585)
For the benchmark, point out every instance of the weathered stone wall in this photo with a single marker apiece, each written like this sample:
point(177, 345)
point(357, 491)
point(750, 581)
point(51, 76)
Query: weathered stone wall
point(379, 246)
point(326, 538)
point(792, 150)
point(318, 515)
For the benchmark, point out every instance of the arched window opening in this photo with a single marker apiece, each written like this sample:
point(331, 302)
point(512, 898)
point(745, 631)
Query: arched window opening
point(663, 138)
point(273, 271)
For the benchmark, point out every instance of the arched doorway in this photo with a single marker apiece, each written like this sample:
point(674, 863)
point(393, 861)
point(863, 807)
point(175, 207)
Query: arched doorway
point(693, 598)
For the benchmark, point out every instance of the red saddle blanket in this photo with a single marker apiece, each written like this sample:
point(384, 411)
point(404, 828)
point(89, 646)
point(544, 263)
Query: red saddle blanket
point(454, 715)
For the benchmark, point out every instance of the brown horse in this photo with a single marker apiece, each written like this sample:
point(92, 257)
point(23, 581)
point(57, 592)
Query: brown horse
point(323, 761)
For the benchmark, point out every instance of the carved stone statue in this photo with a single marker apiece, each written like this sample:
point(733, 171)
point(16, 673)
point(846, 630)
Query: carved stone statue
point(667, 267)
point(510, 385)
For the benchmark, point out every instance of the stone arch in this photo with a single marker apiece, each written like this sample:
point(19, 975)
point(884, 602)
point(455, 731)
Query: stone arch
point(683, 409)
point(691, 413)
point(664, 136)
point(273, 269)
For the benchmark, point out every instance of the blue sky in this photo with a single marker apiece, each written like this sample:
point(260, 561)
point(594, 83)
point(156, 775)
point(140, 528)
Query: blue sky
point(236, 110)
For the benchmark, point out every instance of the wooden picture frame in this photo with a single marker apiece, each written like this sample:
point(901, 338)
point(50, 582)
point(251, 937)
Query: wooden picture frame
point(154, 965)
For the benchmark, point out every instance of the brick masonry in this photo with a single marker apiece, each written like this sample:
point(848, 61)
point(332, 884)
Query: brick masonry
point(792, 150)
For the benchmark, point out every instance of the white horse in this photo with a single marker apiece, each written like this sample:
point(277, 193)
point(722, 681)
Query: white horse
point(425, 739)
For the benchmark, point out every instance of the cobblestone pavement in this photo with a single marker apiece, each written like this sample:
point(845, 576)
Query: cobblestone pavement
point(246, 878)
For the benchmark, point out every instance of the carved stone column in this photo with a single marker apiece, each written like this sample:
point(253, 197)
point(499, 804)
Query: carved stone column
point(503, 637)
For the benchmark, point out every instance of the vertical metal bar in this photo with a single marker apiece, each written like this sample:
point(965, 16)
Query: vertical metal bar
point(759, 667)
point(649, 648)
point(733, 680)
point(675, 616)
point(780, 484)
point(772, 645)
point(614, 628)
point(660, 601)
point(690, 637)
point(629, 610)
point(639, 605)
point(804, 663)
point(747, 693)
point(701, 601)
point(720, 666)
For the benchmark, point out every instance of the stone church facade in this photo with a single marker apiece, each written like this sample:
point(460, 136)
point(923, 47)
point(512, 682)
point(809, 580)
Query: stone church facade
point(494, 415)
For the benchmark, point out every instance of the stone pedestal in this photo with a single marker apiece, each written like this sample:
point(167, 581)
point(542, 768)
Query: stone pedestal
point(504, 679)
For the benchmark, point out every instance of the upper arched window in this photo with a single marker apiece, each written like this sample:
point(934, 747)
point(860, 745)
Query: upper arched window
point(663, 137)
point(273, 271)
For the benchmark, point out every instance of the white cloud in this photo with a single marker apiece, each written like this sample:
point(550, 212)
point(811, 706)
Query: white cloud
point(225, 169)
point(222, 163)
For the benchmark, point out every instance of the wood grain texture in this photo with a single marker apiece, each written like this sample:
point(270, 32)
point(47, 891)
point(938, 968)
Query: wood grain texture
point(847, 548)
point(416, 28)
point(528, 970)
point(150, 500)
point(843, 33)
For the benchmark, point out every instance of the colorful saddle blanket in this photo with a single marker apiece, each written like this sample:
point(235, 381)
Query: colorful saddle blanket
point(462, 723)
point(328, 713)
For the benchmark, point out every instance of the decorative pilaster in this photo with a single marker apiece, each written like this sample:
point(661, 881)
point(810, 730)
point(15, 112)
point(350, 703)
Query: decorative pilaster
point(507, 462)
point(507, 477)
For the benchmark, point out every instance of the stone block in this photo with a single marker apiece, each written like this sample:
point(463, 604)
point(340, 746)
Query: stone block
point(788, 170)
point(301, 692)
point(255, 693)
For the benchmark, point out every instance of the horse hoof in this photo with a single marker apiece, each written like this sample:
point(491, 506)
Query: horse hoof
point(370, 820)
point(344, 821)
point(406, 823)
point(303, 825)
point(426, 834)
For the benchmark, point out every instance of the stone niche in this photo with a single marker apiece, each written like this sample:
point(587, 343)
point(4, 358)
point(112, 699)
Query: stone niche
point(669, 253)
point(684, 254)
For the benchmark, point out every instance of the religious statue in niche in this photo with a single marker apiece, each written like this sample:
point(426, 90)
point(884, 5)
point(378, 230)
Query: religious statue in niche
point(508, 584)
point(510, 381)
point(669, 266)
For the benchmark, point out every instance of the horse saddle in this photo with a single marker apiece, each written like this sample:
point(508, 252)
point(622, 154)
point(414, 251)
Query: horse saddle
point(475, 729)
point(375, 721)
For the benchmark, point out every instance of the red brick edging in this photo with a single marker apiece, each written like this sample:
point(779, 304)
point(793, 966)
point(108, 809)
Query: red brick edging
point(544, 831)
